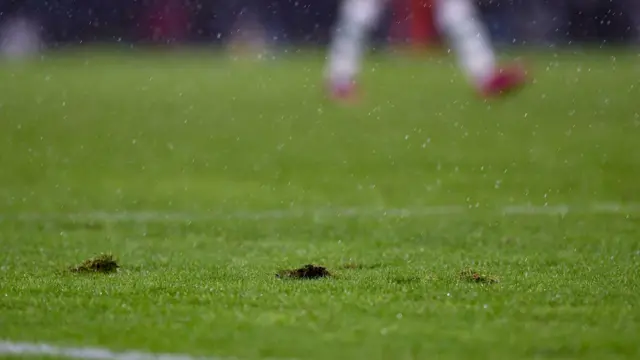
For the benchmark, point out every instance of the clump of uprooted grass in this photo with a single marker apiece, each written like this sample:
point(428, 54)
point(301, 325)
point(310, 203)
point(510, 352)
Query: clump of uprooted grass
point(470, 275)
point(305, 272)
point(101, 264)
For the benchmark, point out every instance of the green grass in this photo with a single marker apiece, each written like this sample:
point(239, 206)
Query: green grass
point(197, 134)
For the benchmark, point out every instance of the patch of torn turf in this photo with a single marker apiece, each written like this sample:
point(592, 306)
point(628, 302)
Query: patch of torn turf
point(103, 263)
point(305, 272)
point(470, 275)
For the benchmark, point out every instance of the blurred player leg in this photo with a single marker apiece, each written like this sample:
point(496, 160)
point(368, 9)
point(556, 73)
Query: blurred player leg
point(456, 18)
point(355, 21)
point(19, 29)
point(460, 22)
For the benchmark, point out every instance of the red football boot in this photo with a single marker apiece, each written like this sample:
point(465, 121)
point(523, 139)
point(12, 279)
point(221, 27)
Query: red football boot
point(343, 91)
point(504, 81)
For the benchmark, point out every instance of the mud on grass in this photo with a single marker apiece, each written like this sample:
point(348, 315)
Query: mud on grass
point(103, 263)
point(470, 275)
point(305, 272)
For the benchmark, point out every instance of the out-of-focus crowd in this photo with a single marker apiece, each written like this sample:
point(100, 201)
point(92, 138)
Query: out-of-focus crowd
point(25, 24)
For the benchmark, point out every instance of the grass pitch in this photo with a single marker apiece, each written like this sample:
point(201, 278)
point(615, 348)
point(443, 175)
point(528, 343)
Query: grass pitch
point(205, 177)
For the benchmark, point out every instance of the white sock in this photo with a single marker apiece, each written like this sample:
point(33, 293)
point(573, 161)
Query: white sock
point(459, 21)
point(355, 21)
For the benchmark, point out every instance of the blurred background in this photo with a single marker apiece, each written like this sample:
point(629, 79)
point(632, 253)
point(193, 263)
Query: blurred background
point(28, 25)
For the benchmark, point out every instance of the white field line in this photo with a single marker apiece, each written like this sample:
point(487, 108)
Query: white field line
point(88, 353)
point(326, 213)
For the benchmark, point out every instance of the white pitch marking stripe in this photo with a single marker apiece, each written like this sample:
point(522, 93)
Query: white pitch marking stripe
point(88, 353)
point(540, 210)
point(320, 213)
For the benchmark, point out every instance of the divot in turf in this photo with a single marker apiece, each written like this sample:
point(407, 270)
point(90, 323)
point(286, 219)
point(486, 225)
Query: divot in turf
point(470, 275)
point(305, 272)
point(103, 263)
